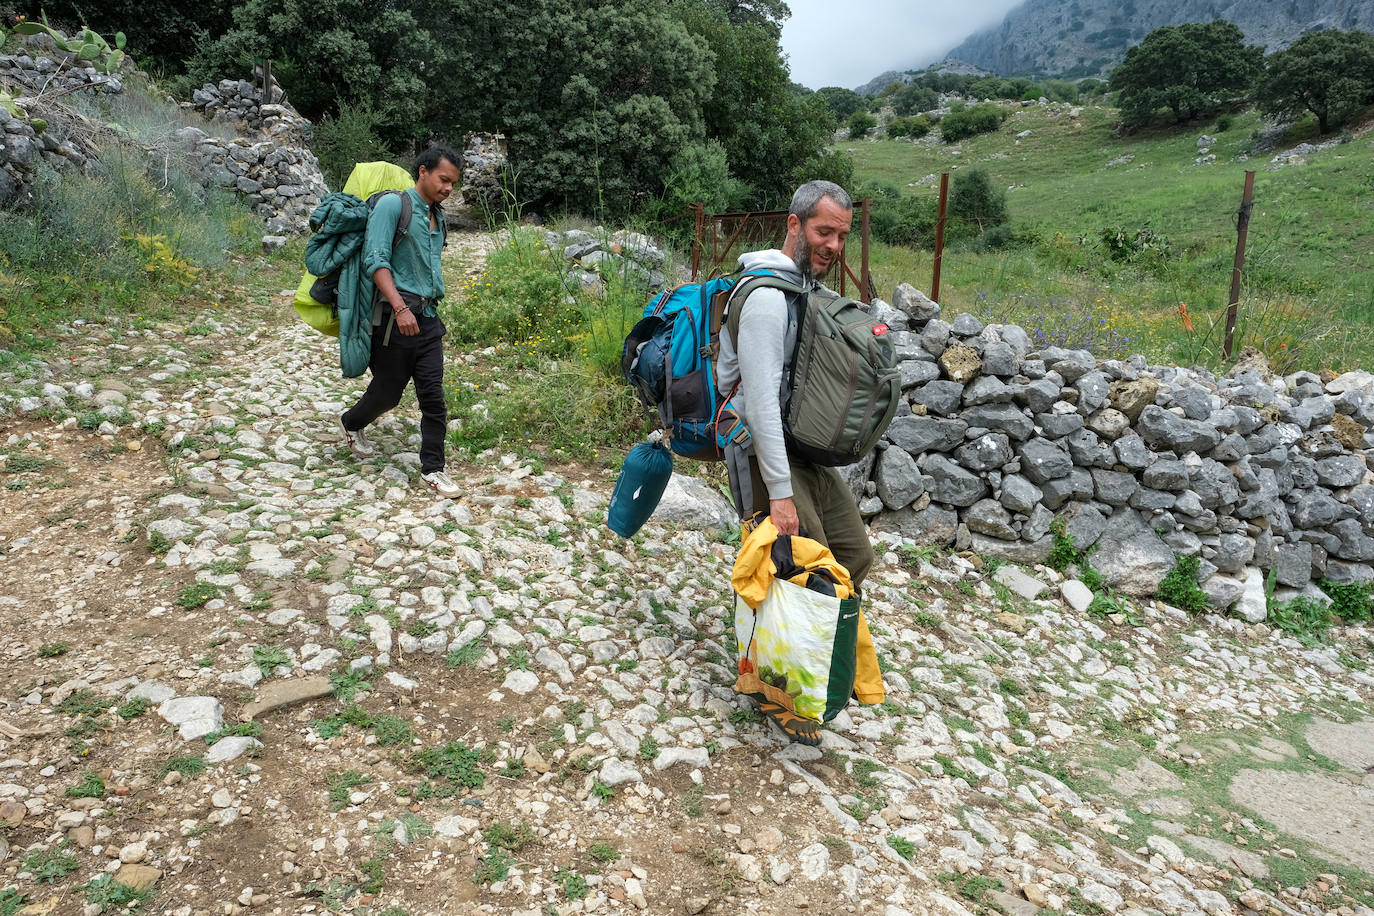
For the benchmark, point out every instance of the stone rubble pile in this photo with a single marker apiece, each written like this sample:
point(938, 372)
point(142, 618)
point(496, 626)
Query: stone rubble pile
point(270, 165)
point(484, 170)
point(42, 67)
point(997, 437)
point(239, 103)
point(598, 254)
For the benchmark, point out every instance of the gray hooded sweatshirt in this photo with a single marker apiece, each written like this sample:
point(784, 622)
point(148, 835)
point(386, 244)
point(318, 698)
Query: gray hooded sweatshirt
point(767, 334)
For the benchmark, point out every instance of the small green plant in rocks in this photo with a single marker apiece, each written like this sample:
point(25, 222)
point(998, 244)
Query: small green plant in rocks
point(196, 594)
point(1180, 589)
point(47, 865)
point(904, 847)
point(603, 853)
point(495, 866)
point(456, 763)
point(112, 895)
point(133, 708)
point(648, 748)
point(237, 730)
point(340, 786)
point(466, 655)
point(970, 887)
point(347, 684)
point(10, 901)
point(268, 658)
point(602, 791)
point(53, 650)
point(187, 765)
point(391, 730)
point(90, 786)
point(510, 837)
point(573, 885)
point(1352, 603)
point(1305, 619)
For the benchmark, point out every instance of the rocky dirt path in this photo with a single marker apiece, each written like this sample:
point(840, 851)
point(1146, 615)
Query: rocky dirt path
point(242, 672)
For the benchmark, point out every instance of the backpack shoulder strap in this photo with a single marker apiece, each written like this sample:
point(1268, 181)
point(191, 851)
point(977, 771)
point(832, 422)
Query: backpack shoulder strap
point(403, 221)
point(747, 284)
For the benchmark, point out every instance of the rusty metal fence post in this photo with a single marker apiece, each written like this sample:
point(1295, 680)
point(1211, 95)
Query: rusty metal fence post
point(1242, 232)
point(940, 237)
point(865, 279)
point(698, 238)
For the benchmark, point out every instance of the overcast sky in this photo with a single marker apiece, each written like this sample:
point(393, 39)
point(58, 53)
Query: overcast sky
point(849, 42)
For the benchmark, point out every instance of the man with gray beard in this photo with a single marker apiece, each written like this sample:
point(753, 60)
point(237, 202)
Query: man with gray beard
point(800, 497)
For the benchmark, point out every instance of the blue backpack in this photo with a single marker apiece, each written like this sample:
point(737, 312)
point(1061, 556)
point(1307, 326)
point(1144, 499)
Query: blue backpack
point(669, 360)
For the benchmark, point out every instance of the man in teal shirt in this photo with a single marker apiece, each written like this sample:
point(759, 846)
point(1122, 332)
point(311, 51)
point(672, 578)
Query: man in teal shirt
point(407, 334)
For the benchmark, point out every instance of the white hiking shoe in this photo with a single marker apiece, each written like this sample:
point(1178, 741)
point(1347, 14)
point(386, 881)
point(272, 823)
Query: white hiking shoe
point(357, 442)
point(442, 484)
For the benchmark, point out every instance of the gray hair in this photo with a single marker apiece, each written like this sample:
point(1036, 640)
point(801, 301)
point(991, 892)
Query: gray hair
point(808, 198)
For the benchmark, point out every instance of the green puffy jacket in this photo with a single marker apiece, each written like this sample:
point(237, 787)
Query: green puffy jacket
point(340, 222)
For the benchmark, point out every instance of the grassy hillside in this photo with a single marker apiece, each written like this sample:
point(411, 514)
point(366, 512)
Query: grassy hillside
point(1308, 295)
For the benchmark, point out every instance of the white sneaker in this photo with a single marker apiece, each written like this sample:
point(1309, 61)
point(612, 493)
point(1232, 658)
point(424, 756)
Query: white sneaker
point(442, 484)
point(357, 442)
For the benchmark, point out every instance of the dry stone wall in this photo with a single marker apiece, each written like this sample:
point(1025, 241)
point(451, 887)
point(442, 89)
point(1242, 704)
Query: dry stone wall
point(998, 436)
point(270, 165)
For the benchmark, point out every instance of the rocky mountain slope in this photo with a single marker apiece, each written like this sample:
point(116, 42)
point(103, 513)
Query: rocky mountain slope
point(1089, 37)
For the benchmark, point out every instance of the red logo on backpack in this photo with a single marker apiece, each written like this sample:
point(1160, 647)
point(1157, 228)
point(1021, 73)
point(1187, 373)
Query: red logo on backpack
point(880, 329)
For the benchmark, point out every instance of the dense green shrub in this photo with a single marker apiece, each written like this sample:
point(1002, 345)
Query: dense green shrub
point(860, 123)
point(913, 99)
point(344, 139)
point(908, 221)
point(828, 165)
point(976, 204)
point(841, 102)
point(915, 128)
point(962, 123)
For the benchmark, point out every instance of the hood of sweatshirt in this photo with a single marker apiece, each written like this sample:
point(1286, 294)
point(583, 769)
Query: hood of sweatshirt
point(771, 259)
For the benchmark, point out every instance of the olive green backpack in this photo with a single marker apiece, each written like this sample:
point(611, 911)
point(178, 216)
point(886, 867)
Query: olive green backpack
point(840, 385)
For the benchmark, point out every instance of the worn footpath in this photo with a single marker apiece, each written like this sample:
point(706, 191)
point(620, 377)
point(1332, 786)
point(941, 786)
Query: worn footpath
point(242, 672)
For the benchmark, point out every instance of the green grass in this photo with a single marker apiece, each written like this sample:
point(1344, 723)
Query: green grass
point(466, 655)
point(187, 765)
point(53, 650)
point(1308, 299)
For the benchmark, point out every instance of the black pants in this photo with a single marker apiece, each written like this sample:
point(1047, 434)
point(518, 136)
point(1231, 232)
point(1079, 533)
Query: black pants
point(392, 368)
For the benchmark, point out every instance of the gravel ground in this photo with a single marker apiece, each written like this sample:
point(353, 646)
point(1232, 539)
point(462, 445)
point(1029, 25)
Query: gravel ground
point(241, 671)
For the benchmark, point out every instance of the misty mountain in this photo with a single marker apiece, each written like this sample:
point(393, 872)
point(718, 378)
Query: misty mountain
point(1076, 38)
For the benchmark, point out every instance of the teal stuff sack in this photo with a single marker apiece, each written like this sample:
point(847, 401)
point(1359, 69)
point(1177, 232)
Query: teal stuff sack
point(640, 486)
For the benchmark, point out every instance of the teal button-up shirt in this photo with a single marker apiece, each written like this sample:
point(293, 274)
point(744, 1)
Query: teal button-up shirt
point(415, 264)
